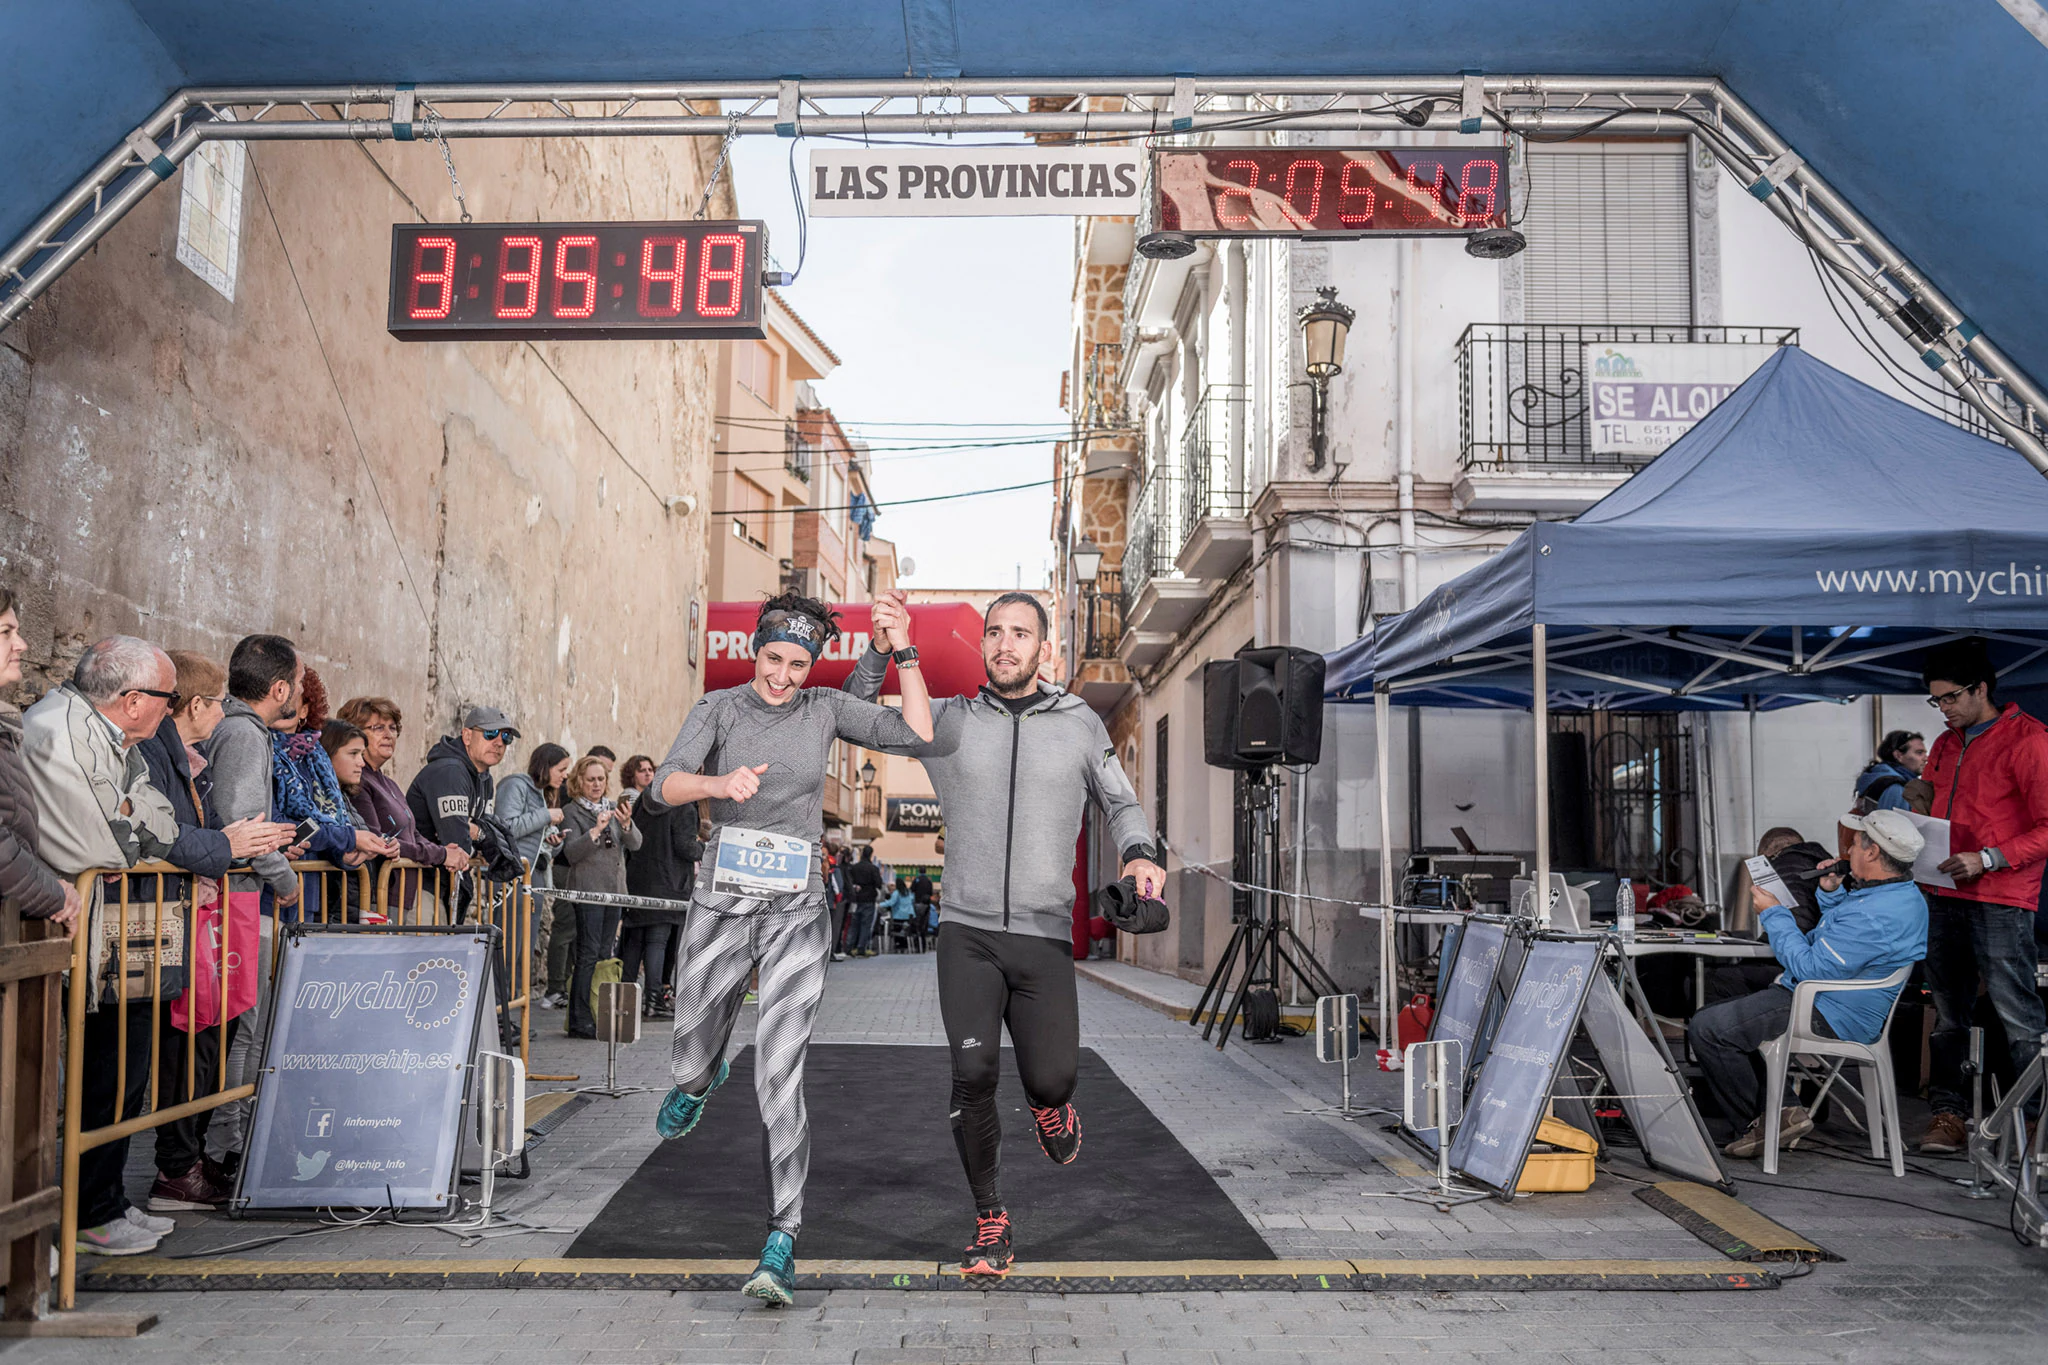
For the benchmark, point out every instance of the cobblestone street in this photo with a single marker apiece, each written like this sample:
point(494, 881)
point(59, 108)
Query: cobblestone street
point(1911, 1284)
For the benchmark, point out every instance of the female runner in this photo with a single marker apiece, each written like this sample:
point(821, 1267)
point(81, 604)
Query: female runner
point(758, 753)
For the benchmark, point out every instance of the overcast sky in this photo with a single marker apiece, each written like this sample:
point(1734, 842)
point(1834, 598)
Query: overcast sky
point(960, 320)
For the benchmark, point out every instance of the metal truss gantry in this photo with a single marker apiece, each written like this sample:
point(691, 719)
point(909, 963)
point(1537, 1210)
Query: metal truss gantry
point(1997, 390)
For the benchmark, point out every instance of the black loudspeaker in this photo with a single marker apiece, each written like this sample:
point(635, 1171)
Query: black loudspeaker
point(1219, 716)
point(1264, 706)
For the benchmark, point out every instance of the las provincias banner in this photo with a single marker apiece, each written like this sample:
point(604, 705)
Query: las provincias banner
point(975, 182)
point(948, 636)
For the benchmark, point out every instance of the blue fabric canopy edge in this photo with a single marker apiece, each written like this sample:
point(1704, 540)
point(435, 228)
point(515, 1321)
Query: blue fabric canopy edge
point(1805, 497)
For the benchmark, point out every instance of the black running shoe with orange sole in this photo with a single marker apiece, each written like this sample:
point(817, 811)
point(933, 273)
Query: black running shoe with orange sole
point(990, 1253)
point(1059, 1132)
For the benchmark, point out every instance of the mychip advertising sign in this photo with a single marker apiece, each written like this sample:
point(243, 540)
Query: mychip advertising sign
point(372, 1041)
point(1641, 398)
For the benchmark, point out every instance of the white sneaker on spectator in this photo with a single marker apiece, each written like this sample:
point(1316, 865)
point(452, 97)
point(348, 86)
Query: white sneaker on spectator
point(162, 1227)
point(118, 1238)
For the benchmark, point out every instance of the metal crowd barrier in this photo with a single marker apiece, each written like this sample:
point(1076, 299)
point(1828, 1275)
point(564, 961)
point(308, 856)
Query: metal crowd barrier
point(146, 927)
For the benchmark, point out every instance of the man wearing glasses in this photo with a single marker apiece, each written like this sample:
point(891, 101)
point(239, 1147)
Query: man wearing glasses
point(1989, 770)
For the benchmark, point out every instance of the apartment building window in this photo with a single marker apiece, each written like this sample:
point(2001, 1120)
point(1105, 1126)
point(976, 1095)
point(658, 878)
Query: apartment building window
point(1159, 752)
point(753, 365)
point(834, 499)
point(1610, 234)
point(750, 513)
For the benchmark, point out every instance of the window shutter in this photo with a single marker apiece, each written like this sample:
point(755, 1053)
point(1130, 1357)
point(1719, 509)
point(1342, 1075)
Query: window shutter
point(1610, 235)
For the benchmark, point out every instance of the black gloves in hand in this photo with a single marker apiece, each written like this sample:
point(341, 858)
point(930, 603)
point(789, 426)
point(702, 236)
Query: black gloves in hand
point(1125, 909)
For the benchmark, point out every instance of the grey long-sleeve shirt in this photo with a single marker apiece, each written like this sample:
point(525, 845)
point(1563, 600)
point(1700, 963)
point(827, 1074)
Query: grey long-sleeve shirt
point(1014, 788)
point(238, 762)
point(736, 727)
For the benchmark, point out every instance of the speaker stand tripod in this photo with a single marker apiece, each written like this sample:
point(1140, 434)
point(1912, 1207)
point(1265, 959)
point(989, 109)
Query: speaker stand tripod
point(1264, 939)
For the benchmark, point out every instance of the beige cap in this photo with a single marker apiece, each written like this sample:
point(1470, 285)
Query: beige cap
point(1891, 831)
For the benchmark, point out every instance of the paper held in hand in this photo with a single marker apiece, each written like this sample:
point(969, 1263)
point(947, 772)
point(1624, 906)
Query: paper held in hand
point(1766, 879)
point(1927, 867)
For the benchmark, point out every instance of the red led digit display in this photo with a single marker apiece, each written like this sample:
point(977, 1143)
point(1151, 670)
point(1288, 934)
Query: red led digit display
point(557, 281)
point(566, 278)
point(1329, 191)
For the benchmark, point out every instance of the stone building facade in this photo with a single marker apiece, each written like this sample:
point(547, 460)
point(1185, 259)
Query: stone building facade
point(443, 523)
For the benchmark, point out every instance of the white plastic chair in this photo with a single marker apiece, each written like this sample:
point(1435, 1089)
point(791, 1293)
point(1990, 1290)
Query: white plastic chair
point(1879, 1094)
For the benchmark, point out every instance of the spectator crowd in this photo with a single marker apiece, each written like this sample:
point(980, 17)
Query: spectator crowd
point(229, 775)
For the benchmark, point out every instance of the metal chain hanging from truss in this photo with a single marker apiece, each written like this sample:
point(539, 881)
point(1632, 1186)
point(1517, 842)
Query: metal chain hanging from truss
point(732, 132)
point(439, 139)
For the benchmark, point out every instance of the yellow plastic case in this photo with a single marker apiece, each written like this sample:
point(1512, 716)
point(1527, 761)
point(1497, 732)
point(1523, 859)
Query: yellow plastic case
point(1565, 1171)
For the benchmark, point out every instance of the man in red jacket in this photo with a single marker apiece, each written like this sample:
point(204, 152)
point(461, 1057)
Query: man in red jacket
point(1989, 769)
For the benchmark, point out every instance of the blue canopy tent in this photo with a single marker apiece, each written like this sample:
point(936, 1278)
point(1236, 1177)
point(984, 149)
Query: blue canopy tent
point(1805, 497)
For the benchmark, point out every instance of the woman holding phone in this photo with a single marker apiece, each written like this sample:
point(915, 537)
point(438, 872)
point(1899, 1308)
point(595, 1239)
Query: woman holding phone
point(758, 754)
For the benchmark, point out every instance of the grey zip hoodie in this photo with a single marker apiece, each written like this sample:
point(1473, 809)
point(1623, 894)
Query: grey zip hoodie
point(1014, 789)
point(238, 762)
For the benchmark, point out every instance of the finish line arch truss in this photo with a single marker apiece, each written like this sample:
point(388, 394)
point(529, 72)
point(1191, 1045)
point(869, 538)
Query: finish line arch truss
point(1993, 394)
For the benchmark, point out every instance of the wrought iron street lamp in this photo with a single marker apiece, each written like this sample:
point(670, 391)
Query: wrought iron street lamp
point(1324, 326)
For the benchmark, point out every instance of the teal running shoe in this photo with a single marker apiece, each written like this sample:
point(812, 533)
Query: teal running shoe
point(774, 1280)
point(681, 1110)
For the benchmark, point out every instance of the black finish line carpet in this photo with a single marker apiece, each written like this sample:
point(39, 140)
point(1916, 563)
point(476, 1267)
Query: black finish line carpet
point(886, 1181)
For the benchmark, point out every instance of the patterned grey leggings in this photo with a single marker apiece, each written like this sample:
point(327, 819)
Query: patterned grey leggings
point(787, 940)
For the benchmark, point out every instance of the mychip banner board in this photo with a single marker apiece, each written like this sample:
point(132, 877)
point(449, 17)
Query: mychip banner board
point(1514, 1086)
point(372, 1040)
point(1467, 994)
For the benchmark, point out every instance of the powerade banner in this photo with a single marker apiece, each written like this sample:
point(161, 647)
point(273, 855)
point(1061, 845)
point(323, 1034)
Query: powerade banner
point(915, 815)
point(372, 1038)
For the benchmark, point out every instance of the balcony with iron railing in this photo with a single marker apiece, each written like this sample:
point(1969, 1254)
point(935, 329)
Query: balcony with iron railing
point(798, 456)
point(1101, 622)
point(1522, 393)
point(1159, 599)
point(1216, 535)
point(1156, 512)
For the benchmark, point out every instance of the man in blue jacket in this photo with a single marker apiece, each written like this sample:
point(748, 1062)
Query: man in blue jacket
point(1870, 926)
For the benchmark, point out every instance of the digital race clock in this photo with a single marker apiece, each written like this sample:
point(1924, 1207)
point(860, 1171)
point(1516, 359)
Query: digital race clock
point(558, 281)
point(1329, 191)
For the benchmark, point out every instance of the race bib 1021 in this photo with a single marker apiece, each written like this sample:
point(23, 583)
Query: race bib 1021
point(756, 864)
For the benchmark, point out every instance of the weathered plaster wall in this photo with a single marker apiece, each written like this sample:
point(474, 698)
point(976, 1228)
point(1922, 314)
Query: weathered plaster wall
point(183, 467)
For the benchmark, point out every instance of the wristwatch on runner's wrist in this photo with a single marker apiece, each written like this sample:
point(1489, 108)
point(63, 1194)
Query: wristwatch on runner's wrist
point(905, 656)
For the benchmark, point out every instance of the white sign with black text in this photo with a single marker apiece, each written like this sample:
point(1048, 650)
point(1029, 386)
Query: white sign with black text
point(1641, 398)
point(975, 182)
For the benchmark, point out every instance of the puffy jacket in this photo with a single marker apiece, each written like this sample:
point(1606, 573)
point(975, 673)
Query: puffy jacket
point(27, 885)
point(1865, 932)
point(524, 812)
point(1994, 794)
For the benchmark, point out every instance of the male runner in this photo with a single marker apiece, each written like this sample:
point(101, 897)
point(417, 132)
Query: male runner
point(1013, 767)
point(757, 752)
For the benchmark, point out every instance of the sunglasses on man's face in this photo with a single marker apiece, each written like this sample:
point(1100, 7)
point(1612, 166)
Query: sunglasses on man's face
point(171, 697)
point(491, 736)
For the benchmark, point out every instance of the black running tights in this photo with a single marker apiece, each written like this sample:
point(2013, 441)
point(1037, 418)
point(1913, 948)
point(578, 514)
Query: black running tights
point(987, 980)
